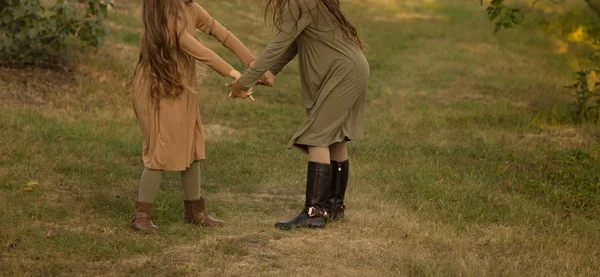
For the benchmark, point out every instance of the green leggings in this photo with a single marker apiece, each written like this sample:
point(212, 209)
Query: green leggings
point(150, 182)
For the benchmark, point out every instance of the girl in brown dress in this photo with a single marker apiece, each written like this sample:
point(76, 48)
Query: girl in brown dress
point(166, 104)
point(334, 74)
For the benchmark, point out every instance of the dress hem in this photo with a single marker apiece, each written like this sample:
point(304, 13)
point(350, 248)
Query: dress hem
point(312, 143)
point(173, 168)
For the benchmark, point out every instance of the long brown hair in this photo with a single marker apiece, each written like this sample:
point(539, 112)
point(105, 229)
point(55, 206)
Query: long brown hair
point(159, 49)
point(275, 8)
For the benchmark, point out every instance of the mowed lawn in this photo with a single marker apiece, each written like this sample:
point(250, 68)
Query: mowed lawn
point(468, 167)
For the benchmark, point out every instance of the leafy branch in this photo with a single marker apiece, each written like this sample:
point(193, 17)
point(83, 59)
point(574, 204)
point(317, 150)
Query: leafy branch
point(506, 17)
point(32, 34)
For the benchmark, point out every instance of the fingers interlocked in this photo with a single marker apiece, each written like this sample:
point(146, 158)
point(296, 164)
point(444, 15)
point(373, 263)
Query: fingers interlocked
point(236, 91)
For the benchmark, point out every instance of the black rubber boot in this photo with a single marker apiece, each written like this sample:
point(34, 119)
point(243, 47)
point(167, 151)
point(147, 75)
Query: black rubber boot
point(317, 194)
point(337, 189)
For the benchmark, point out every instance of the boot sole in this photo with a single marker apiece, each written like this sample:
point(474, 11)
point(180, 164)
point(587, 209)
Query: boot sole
point(310, 226)
point(144, 231)
point(206, 225)
point(336, 219)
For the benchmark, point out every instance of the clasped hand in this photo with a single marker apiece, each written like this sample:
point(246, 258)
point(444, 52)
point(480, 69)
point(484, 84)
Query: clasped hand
point(236, 91)
point(268, 79)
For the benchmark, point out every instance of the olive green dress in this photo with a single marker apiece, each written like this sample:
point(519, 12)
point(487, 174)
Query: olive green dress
point(172, 129)
point(334, 74)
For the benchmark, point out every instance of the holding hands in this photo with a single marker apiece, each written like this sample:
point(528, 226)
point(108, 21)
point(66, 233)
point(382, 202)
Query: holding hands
point(236, 91)
point(268, 79)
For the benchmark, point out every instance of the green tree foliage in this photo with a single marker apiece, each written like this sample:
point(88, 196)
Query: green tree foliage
point(503, 16)
point(506, 17)
point(31, 33)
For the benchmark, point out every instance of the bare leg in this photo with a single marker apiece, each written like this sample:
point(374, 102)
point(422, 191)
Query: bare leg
point(338, 151)
point(318, 154)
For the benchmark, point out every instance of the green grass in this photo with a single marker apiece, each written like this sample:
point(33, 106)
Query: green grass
point(469, 166)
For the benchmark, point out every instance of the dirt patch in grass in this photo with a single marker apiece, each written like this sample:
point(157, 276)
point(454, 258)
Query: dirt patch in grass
point(213, 132)
point(34, 87)
point(558, 137)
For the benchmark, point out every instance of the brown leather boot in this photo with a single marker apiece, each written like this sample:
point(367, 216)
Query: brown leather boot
point(142, 218)
point(195, 213)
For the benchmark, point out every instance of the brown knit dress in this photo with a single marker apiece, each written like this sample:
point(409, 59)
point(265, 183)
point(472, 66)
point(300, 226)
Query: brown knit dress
point(171, 128)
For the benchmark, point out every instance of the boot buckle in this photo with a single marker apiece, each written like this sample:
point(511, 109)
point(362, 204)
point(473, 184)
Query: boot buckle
point(317, 212)
point(139, 215)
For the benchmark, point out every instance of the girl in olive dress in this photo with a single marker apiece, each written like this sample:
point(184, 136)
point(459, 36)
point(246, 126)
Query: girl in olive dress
point(334, 74)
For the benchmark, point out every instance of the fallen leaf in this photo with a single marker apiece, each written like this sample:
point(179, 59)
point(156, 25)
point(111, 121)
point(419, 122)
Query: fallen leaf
point(31, 185)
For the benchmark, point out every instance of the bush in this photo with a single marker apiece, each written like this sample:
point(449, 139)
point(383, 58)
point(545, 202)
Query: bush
point(586, 104)
point(31, 35)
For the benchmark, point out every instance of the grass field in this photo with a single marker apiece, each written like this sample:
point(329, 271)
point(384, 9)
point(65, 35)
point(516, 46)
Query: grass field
point(468, 166)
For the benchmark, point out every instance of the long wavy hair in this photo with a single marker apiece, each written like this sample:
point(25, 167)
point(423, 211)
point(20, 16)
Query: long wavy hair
point(159, 50)
point(275, 8)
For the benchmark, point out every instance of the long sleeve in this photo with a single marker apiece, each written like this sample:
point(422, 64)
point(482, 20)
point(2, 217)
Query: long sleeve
point(279, 43)
point(285, 58)
point(192, 47)
point(207, 24)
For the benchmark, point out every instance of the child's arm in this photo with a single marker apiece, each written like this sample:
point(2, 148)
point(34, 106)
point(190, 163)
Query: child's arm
point(207, 24)
point(295, 20)
point(192, 47)
point(285, 58)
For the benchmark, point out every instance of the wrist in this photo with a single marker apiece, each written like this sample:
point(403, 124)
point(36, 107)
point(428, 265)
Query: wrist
point(234, 74)
point(241, 86)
